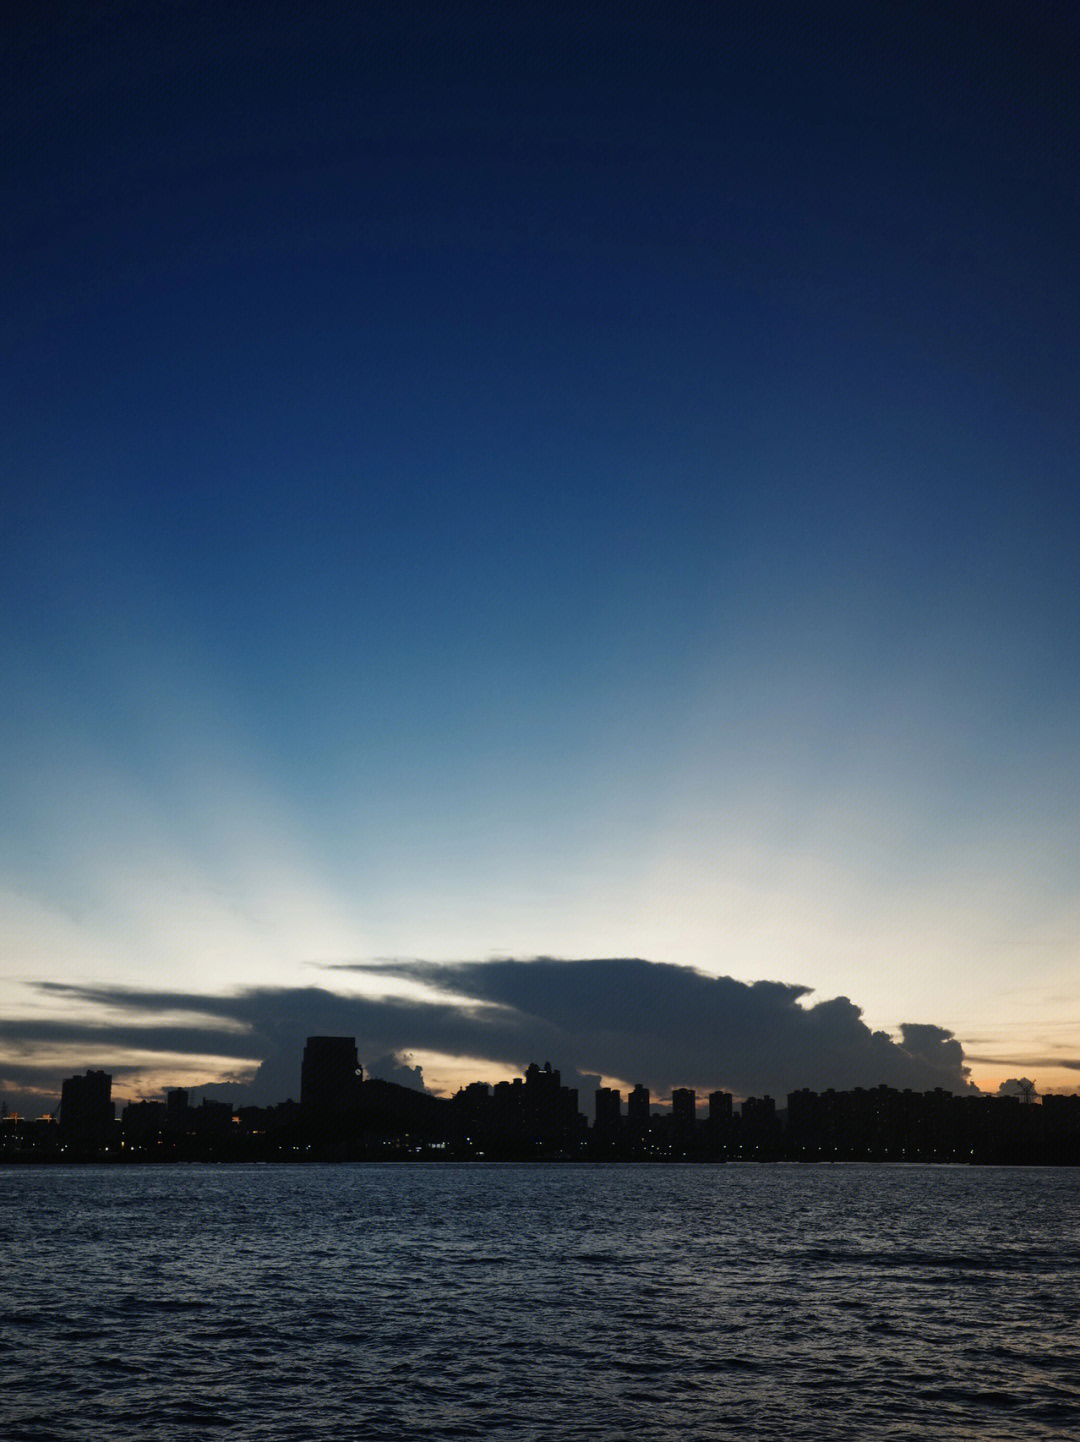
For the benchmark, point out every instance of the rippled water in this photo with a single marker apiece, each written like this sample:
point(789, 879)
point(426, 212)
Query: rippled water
point(540, 1302)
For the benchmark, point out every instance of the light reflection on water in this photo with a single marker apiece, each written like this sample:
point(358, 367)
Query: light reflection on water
point(540, 1302)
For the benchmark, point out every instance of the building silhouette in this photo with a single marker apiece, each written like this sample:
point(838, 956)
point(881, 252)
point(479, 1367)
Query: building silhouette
point(534, 1117)
point(608, 1108)
point(682, 1123)
point(177, 1111)
point(637, 1115)
point(759, 1129)
point(719, 1125)
point(141, 1123)
point(720, 1108)
point(330, 1075)
point(683, 1108)
point(607, 1126)
point(87, 1113)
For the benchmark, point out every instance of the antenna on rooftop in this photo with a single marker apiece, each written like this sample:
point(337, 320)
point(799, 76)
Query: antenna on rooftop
point(1027, 1090)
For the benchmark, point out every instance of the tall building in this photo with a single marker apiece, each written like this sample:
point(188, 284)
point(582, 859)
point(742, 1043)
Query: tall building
point(330, 1074)
point(637, 1111)
point(608, 1124)
point(758, 1126)
point(87, 1112)
point(719, 1128)
point(683, 1107)
point(608, 1109)
point(141, 1123)
point(720, 1109)
point(536, 1115)
point(177, 1110)
point(762, 1110)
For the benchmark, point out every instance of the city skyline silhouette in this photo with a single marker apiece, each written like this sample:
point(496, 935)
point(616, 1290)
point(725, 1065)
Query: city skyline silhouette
point(608, 1020)
point(343, 1115)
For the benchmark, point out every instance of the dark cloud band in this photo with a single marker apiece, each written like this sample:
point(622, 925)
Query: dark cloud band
point(662, 1024)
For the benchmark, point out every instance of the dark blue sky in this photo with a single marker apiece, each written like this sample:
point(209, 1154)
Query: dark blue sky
point(580, 481)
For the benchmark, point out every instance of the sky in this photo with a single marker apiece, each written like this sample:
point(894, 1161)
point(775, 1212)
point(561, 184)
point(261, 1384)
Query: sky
point(540, 527)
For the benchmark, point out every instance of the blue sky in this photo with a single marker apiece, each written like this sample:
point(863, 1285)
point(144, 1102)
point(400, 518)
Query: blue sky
point(578, 485)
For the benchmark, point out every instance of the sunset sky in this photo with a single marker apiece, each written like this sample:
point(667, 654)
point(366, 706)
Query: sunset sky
point(576, 484)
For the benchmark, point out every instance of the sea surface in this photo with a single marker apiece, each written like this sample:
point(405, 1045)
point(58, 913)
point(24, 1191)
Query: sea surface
point(539, 1302)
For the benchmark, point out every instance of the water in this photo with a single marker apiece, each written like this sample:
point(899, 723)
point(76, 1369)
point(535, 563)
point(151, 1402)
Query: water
point(539, 1302)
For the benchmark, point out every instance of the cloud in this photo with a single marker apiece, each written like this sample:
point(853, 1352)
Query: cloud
point(670, 1025)
point(1016, 1087)
point(621, 1018)
point(933, 1045)
point(1029, 1063)
point(392, 1068)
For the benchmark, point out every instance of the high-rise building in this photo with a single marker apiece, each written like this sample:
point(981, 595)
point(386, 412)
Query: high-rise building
point(330, 1074)
point(536, 1115)
point(758, 1125)
point(637, 1111)
point(762, 1110)
point(141, 1123)
point(720, 1109)
point(608, 1124)
point(177, 1110)
point(683, 1107)
point(87, 1112)
point(608, 1109)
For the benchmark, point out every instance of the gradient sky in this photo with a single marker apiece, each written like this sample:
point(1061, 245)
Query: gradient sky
point(573, 483)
